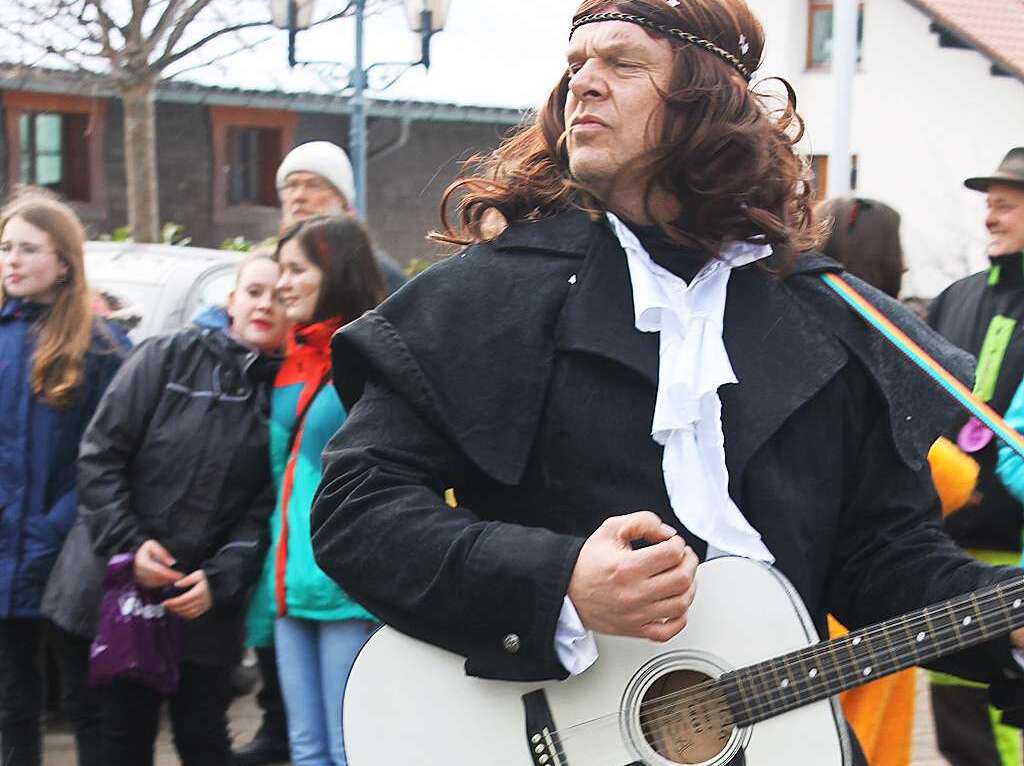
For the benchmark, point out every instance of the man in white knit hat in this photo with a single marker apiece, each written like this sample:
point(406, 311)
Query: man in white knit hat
point(315, 178)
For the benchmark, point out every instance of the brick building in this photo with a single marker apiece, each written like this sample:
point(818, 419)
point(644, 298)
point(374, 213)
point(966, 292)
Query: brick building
point(218, 150)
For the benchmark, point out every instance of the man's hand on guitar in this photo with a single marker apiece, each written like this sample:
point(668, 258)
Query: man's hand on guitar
point(643, 593)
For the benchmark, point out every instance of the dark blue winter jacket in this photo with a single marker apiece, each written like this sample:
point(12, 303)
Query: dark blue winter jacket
point(38, 454)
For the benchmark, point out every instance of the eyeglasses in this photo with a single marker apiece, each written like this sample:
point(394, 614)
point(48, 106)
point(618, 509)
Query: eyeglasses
point(312, 184)
point(27, 249)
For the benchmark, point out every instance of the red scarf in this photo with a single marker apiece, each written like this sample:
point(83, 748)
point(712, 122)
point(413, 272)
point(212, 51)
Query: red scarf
point(307, 357)
point(307, 361)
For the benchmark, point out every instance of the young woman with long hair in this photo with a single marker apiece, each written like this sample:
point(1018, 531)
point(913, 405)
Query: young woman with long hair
point(56, 360)
point(328, 278)
point(174, 468)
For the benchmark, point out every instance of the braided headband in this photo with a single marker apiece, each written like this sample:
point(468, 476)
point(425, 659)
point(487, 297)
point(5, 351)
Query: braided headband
point(679, 34)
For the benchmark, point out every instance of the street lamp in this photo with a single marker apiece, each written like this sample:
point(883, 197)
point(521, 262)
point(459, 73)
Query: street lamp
point(293, 15)
point(426, 18)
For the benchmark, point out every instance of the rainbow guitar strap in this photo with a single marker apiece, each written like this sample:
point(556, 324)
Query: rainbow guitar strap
point(989, 417)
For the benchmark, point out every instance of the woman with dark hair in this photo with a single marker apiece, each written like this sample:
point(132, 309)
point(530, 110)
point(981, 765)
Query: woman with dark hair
point(173, 468)
point(57, 361)
point(328, 278)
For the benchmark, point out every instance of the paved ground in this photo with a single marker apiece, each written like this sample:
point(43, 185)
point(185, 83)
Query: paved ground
point(245, 719)
point(923, 752)
point(60, 745)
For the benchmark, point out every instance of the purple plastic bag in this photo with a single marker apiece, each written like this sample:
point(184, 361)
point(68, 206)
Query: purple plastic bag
point(136, 638)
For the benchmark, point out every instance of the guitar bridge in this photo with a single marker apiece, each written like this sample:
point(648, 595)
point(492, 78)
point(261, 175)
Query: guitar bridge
point(541, 735)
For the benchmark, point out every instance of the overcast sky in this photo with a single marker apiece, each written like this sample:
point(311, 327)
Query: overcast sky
point(491, 53)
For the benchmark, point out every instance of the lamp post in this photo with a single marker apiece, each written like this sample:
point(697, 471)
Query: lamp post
point(426, 18)
point(844, 68)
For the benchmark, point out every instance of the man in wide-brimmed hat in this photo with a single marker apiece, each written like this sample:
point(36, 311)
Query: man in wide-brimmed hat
point(983, 314)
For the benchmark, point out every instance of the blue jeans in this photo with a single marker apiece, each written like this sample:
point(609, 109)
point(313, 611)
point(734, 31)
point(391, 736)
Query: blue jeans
point(313, 662)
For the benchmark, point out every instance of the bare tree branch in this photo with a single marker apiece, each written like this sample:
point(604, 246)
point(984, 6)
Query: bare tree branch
point(198, 6)
point(105, 20)
point(133, 29)
point(166, 60)
point(225, 55)
point(107, 25)
point(347, 10)
point(165, 21)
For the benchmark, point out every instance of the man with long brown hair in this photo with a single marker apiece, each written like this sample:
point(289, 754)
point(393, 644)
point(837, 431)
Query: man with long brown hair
point(643, 354)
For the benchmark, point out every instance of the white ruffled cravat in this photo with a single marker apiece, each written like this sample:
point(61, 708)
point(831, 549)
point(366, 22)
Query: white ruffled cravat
point(687, 420)
point(693, 364)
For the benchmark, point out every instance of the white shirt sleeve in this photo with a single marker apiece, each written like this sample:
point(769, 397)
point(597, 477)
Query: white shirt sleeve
point(1018, 654)
point(575, 646)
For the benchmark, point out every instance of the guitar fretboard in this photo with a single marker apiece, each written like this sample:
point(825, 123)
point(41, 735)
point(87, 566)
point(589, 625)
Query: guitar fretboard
point(775, 686)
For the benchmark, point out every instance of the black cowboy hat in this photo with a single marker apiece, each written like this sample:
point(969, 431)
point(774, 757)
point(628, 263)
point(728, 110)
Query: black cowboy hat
point(1010, 171)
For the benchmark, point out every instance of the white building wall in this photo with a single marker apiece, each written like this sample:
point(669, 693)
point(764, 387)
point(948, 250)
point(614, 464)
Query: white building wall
point(925, 118)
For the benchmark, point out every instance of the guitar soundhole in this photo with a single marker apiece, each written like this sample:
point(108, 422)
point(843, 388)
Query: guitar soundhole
point(685, 718)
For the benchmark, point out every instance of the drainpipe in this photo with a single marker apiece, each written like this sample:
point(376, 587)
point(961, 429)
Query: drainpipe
point(844, 67)
point(357, 124)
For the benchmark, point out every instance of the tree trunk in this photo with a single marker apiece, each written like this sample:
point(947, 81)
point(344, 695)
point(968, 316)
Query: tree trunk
point(140, 161)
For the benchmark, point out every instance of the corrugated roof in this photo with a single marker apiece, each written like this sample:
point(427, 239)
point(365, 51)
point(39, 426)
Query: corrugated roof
point(994, 28)
point(34, 78)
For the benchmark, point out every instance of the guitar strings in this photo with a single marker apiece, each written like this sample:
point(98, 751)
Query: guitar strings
point(944, 638)
point(756, 703)
point(701, 694)
point(645, 728)
point(707, 691)
point(722, 707)
point(768, 672)
point(769, 677)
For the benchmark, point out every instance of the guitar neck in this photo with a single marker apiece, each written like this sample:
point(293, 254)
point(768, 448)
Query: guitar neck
point(783, 683)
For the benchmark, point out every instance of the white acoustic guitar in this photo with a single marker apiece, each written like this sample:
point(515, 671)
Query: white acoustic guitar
point(746, 683)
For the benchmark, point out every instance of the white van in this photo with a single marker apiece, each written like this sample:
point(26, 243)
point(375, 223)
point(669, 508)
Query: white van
point(151, 289)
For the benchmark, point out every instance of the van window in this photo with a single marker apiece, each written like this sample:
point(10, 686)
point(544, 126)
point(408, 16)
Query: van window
point(212, 290)
point(127, 304)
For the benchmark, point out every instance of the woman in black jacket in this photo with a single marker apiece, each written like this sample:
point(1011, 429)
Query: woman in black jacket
point(174, 467)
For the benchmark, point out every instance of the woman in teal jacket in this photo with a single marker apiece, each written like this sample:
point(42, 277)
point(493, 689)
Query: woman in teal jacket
point(328, 278)
point(1010, 466)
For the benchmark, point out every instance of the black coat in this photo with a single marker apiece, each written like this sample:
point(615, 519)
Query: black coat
point(514, 374)
point(962, 313)
point(177, 452)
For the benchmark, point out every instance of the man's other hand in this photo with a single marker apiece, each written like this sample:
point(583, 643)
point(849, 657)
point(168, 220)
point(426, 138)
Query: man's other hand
point(643, 593)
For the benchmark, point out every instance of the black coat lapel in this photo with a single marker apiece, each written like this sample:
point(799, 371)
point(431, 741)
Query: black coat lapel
point(781, 358)
point(780, 355)
point(598, 314)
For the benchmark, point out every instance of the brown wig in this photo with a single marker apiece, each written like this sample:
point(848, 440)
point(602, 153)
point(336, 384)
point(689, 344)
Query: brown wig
point(340, 247)
point(725, 154)
point(65, 334)
point(864, 236)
